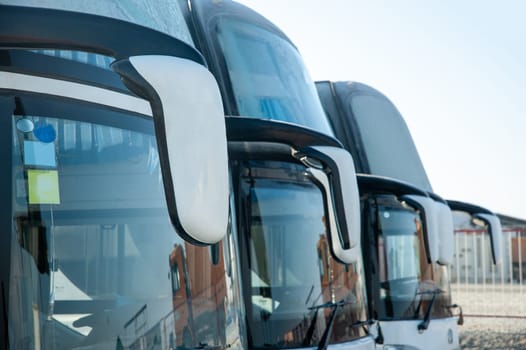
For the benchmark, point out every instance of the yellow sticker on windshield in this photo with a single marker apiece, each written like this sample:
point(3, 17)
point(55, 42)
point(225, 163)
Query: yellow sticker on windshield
point(43, 187)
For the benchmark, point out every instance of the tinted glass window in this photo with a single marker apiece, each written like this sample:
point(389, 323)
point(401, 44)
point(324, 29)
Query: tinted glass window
point(387, 143)
point(269, 79)
point(95, 261)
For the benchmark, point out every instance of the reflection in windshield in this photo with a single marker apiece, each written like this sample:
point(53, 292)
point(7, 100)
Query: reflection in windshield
point(407, 282)
point(268, 77)
point(286, 246)
point(95, 262)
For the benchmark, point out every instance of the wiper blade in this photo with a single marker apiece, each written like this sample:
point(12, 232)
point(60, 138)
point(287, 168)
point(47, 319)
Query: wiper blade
point(310, 330)
point(363, 323)
point(328, 305)
point(202, 345)
point(424, 292)
point(422, 326)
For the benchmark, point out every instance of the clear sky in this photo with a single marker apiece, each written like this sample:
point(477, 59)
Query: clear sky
point(456, 70)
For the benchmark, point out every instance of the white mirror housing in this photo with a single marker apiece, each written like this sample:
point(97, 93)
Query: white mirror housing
point(446, 241)
point(191, 137)
point(495, 233)
point(427, 206)
point(338, 178)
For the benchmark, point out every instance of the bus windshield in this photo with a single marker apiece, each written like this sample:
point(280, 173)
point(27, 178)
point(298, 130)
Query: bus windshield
point(269, 79)
point(288, 268)
point(407, 282)
point(92, 257)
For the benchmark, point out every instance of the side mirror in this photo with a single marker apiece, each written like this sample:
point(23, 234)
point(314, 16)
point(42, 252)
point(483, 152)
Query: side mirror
point(440, 230)
point(445, 231)
point(489, 219)
point(334, 169)
point(431, 222)
point(495, 232)
point(191, 137)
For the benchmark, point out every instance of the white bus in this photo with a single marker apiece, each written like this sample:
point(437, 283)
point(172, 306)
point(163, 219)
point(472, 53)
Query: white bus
point(407, 249)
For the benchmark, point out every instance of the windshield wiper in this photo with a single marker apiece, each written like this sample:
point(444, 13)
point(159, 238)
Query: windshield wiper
point(204, 346)
point(312, 326)
point(422, 326)
point(362, 324)
point(324, 341)
point(379, 337)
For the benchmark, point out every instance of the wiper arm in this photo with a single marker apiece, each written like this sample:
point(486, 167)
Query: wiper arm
point(422, 326)
point(324, 341)
point(312, 326)
point(428, 291)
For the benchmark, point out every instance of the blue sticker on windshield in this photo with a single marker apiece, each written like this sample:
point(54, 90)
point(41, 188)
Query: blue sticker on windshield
point(45, 133)
point(39, 154)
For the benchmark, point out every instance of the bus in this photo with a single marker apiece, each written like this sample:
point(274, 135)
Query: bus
point(407, 278)
point(262, 77)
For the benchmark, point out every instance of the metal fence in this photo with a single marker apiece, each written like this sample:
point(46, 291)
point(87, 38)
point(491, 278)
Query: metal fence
point(482, 288)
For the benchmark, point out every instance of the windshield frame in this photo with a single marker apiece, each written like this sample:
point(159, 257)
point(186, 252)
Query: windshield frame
point(6, 192)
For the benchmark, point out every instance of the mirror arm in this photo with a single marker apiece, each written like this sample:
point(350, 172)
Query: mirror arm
point(426, 206)
point(335, 187)
point(445, 230)
point(334, 168)
point(495, 230)
point(375, 183)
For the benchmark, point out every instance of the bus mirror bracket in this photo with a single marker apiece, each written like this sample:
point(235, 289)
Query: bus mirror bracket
point(191, 138)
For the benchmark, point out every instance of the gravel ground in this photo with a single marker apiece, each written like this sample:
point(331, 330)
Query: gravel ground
point(507, 331)
point(493, 333)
